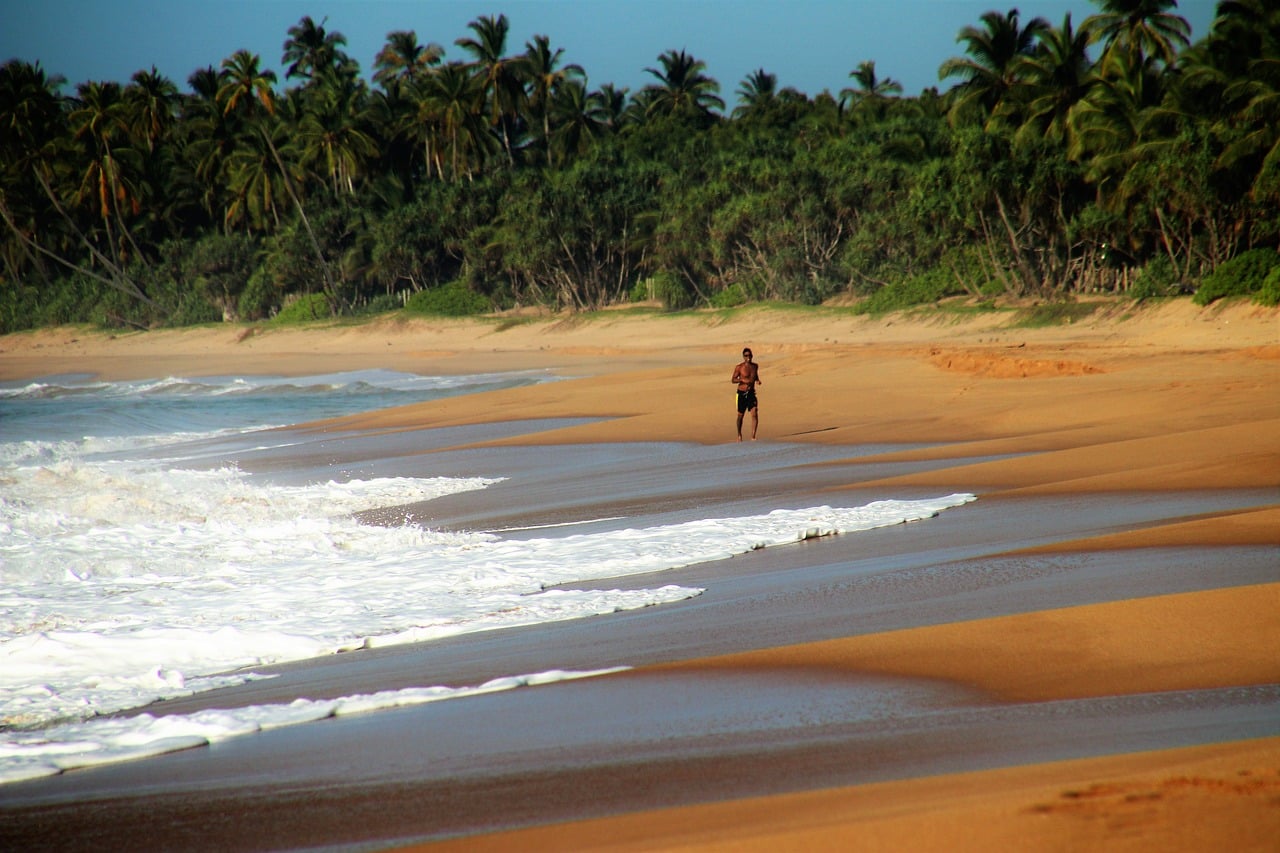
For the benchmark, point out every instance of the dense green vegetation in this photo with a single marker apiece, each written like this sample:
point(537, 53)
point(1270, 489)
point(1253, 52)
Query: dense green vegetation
point(1110, 154)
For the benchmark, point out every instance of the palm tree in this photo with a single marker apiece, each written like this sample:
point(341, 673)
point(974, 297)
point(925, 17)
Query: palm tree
point(500, 74)
point(682, 87)
point(542, 68)
point(871, 90)
point(611, 105)
point(990, 70)
point(313, 53)
point(100, 122)
point(153, 99)
point(756, 92)
point(1143, 28)
point(453, 96)
point(330, 133)
point(247, 90)
point(32, 122)
point(1056, 79)
point(580, 118)
point(255, 182)
point(243, 84)
point(1109, 120)
point(403, 60)
point(1252, 98)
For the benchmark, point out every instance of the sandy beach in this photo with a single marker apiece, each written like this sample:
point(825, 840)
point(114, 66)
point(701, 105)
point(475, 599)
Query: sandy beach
point(1094, 644)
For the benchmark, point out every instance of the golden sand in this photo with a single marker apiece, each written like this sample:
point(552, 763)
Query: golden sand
point(1170, 397)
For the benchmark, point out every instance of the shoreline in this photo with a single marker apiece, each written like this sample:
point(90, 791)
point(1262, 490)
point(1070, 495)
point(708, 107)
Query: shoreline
point(1171, 400)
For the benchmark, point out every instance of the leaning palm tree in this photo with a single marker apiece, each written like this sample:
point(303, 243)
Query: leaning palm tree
point(247, 91)
point(682, 88)
point(990, 69)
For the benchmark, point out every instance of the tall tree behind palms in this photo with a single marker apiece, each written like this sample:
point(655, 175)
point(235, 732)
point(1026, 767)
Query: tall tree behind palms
point(499, 73)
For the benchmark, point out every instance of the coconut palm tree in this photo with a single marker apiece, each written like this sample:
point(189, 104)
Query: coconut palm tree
point(612, 106)
point(331, 134)
point(499, 74)
point(990, 69)
point(682, 88)
point(100, 123)
point(1056, 79)
point(32, 123)
point(871, 91)
point(403, 60)
point(545, 74)
point(153, 100)
point(1143, 28)
point(756, 92)
point(580, 117)
point(255, 183)
point(314, 53)
point(454, 96)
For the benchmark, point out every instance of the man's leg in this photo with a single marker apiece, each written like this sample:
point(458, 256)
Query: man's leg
point(755, 424)
point(739, 426)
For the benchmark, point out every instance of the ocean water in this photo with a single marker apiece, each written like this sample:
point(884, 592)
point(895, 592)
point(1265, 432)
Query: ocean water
point(136, 566)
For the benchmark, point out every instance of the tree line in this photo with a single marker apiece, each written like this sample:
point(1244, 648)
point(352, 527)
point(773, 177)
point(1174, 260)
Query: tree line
point(1112, 154)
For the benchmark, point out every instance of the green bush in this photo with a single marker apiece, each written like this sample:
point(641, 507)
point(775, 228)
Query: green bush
point(929, 286)
point(454, 299)
point(1269, 293)
point(1243, 275)
point(665, 287)
point(1158, 278)
point(304, 309)
point(730, 297)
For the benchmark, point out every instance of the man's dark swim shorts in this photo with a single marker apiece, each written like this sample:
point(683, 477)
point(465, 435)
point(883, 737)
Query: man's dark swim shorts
point(746, 400)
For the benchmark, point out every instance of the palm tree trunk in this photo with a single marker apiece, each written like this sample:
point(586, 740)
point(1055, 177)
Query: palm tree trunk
point(330, 289)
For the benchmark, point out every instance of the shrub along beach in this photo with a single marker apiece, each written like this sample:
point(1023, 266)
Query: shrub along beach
point(1118, 153)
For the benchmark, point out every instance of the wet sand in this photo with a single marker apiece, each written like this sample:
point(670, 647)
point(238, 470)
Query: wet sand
point(1088, 656)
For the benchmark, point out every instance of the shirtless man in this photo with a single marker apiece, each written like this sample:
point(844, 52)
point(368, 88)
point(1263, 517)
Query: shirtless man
point(747, 376)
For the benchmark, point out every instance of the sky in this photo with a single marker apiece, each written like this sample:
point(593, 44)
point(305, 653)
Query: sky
point(811, 45)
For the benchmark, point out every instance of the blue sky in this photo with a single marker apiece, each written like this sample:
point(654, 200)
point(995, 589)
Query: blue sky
point(809, 44)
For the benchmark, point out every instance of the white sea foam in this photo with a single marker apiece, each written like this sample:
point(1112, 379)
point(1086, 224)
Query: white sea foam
point(26, 755)
point(125, 578)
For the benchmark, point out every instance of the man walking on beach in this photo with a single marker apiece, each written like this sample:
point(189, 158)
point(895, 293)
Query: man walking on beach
point(747, 376)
